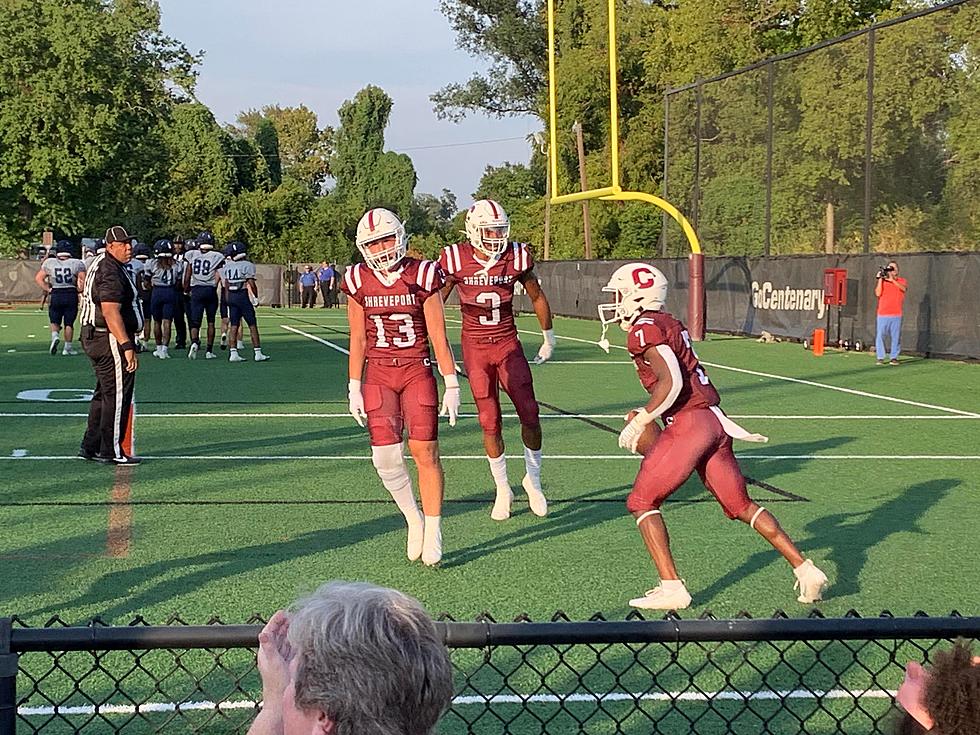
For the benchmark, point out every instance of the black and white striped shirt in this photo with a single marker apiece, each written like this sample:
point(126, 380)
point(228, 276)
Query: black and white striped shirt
point(109, 280)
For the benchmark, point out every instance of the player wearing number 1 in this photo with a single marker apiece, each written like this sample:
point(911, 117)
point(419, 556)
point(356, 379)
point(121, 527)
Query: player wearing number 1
point(698, 436)
point(485, 270)
point(394, 309)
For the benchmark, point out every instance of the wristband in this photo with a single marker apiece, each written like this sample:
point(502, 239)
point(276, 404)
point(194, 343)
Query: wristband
point(127, 345)
point(451, 381)
point(643, 417)
point(549, 336)
point(353, 386)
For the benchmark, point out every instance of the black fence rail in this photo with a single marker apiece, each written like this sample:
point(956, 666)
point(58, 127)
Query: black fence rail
point(706, 676)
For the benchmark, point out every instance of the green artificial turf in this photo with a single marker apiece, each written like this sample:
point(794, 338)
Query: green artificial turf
point(236, 515)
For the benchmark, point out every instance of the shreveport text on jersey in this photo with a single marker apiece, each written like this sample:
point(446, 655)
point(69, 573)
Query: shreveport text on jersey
point(765, 296)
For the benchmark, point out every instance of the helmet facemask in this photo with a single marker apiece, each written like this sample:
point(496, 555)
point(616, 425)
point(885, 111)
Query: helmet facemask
point(388, 257)
point(492, 239)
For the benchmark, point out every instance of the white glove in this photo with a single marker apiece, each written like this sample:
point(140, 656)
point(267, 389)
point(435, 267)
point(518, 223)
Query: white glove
point(355, 401)
point(450, 399)
point(629, 437)
point(253, 299)
point(544, 354)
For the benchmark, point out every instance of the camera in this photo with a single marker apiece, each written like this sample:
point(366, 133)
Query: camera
point(883, 271)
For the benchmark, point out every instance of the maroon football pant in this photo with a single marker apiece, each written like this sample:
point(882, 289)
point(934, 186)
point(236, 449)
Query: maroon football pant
point(400, 395)
point(694, 440)
point(491, 366)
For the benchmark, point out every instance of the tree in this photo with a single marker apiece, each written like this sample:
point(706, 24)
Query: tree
point(303, 147)
point(84, 88)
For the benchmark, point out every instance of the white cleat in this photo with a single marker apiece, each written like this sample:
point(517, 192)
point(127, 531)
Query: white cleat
point(660, 599)
point(164, 353)
point(224, 340)
point(54, 346)
point(69, 351)
point(210, 356)
point(235, 357)
point(261, 357)
point(810, 581)
point(535, 497)
point(156, 352)
point(415, 534)
point(501, 506)
point(240, 345)
point(192, 352)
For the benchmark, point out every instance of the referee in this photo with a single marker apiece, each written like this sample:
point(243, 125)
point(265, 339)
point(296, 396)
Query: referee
point(111, 319)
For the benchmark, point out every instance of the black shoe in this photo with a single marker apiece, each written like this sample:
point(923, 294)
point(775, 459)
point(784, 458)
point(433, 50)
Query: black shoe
point(86, 456)
point(124, 460)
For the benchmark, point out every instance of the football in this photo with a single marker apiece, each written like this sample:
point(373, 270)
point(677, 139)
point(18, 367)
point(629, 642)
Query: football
point(649, 436)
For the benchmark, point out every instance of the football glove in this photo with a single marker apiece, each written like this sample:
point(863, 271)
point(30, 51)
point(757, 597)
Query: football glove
point(355, 401)
point(629, 437)
point(450, 399)
point(548, 348)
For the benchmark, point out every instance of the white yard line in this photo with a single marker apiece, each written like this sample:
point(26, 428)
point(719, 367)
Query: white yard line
point(322, 341)
point(468, 700)
point(481, 457)
point(801, 381)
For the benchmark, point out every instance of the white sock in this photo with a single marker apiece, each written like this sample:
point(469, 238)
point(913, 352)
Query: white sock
point(54, 336)
point(68, 346)
point(532, 463)
point(240, 345)
point(258, 350)
point(432, 540)
point(234, 352)
point(498, 468)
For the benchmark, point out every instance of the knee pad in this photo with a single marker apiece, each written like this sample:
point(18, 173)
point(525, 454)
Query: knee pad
point(388, 461)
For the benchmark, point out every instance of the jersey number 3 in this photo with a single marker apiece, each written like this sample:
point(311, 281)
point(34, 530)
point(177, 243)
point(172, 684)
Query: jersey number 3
point(492, 301)
point(406, 328)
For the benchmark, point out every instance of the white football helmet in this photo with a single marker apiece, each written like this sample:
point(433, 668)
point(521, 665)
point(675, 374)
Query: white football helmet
point(377, 224)
point(636, 287)
point(488, 227)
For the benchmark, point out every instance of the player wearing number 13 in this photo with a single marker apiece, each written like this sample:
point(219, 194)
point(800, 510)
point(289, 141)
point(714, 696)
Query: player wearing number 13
point(698, 436)
point(394, 308)
point(486, 270)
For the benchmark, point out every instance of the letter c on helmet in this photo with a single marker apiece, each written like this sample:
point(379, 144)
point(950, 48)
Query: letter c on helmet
point(643, 277)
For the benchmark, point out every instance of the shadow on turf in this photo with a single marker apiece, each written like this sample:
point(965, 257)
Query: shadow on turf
point(844, 539)
point(167, 579)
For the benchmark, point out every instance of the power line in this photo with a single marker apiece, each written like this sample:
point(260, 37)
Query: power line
point(460, 145)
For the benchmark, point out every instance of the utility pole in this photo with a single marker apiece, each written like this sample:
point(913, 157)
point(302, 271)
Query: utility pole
point(586, 219)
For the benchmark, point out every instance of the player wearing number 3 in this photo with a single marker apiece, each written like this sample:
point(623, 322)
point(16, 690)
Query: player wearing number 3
point(485, 270)
point(698, 436)
point(394, 309)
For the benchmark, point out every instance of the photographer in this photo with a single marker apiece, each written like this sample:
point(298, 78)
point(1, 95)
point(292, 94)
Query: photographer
point(890, 290)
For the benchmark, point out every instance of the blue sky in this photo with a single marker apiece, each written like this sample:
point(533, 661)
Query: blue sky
point(320, 53)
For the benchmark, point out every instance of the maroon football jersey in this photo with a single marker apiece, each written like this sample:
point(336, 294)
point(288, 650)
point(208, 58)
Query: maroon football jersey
point(393, 315)
point(655, 328)
point(486, 295)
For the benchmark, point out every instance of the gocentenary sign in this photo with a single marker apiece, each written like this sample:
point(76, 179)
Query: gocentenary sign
point(767, 297)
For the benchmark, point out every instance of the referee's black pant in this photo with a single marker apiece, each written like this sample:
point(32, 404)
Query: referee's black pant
point(108, 414)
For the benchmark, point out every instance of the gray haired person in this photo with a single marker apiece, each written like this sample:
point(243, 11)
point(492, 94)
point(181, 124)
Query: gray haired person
point(352, 659)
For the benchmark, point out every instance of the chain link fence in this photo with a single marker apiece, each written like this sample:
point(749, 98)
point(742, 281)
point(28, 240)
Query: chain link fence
point(861, 143)
point(706, 676)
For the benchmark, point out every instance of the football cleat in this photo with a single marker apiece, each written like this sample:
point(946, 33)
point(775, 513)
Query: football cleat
point(810, 581)
point(54, 346)
point(535, 497)
point(192, 352)
point(235, 357)
point(260, 356)
point(210, 356)
point(69, 350)
point(224, 340)
point(501, 506)
point(660, 599)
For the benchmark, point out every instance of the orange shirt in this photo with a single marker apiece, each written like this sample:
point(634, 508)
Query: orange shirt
point(890, 302)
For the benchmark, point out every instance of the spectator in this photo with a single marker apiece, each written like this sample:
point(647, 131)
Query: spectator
point(945, 700)
point(890, 290)
point(328, 278)
point(307, 282)
point(352, 659)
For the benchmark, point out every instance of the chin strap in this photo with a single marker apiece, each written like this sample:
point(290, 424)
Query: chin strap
point(603, 342)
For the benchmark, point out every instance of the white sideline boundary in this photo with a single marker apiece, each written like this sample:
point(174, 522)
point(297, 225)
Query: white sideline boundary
point(773, 376)
point(481, 457)
point(306, 415)
point(462, 701)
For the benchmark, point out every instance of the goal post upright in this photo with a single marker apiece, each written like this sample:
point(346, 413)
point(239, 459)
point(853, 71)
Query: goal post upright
point(614, 191)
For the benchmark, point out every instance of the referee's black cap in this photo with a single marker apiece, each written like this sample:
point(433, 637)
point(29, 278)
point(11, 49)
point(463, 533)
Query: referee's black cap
point(117, 233)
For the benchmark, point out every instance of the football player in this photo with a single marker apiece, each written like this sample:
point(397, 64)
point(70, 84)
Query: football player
point(163, 274)
point(62, 278)
point(485, 270)
point(201, 279)
point(697, 435)
point(180, 323)
point(141, 255)
point(394, 310)
point(238, 278)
